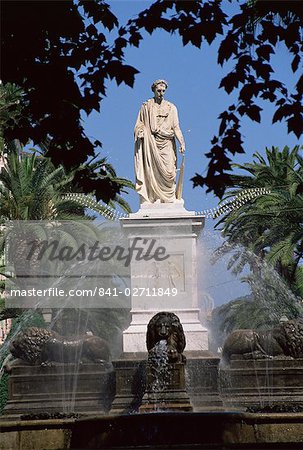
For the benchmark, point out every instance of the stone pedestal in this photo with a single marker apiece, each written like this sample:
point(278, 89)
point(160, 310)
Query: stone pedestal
point(167, 285)
point(86, 388)
point(130, 371)
point(168, 396)
point(201, 382)
point(262, 382)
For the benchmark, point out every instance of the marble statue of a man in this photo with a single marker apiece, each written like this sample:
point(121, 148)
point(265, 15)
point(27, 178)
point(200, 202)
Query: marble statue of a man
point(156, 128)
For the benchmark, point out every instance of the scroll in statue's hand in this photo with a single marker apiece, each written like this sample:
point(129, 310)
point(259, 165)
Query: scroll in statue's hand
point(182, 149)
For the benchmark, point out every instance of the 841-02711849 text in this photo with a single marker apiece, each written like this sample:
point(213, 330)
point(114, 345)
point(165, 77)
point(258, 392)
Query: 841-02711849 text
point(137, 292)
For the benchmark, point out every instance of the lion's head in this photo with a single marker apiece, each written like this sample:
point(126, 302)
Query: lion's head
point(166, 326)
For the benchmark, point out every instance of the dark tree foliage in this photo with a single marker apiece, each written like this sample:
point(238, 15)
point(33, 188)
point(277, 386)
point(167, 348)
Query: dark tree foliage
point(45, 43)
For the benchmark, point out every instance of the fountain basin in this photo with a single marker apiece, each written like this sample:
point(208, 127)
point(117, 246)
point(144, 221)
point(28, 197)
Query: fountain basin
point(188, 431)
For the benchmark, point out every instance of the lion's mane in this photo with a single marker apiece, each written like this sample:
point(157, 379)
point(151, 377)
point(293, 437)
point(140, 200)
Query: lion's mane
point(36, 345)
point(176, 338)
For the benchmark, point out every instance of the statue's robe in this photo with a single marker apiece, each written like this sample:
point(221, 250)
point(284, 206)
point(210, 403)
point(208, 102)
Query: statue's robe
point(155, 154)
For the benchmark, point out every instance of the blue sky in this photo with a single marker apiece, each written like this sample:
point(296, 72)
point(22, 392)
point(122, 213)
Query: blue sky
point(193, 76)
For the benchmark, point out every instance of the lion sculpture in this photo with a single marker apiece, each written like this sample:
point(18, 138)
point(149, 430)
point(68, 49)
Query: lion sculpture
point(166, 326)
point(42, 346)
point(283, 340)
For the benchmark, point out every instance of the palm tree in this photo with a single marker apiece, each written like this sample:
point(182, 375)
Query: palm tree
point(101, 169)
point(31, 189)
point(266, 231)
point(271, 225)
point(10, 110)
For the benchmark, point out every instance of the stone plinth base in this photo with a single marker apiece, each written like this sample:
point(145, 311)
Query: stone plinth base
point(201, 375)
point(170, 401)
point(162, 210)
point(168, 283)
point(65, 388)
point(261, 382)
point(130, 372)
point(201, 378)
point(166, 395)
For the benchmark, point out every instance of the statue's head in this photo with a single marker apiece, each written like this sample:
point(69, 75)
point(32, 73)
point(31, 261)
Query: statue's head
point(159, 87)
point(157, 82)
point(165, 326)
